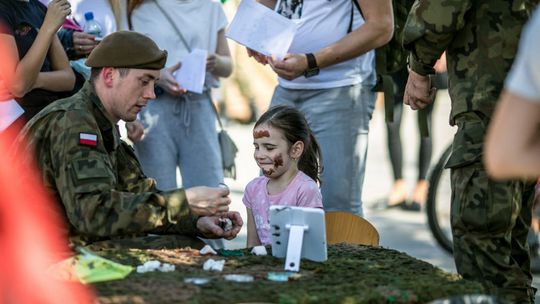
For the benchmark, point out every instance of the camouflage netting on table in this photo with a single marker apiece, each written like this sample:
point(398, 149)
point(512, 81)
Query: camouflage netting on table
point(352, 274)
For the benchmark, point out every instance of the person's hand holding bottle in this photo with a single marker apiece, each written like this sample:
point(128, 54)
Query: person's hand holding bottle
point(83, 43)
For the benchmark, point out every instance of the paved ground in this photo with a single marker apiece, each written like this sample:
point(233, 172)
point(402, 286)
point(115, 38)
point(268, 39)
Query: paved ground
point(400, 230)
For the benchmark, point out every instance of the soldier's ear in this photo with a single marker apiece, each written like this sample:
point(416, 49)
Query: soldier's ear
point(107, 76)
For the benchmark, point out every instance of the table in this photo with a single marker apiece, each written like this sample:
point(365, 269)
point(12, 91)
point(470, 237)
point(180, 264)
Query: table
point(352, 274)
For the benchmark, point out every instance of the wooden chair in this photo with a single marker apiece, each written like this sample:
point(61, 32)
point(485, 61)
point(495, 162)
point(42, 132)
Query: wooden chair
point(345, 227)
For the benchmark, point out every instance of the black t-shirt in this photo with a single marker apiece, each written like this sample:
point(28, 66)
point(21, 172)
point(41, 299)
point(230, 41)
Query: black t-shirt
point(22, 20)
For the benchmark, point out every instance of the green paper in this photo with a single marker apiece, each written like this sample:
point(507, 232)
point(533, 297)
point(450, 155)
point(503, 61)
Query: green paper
point(91, 268)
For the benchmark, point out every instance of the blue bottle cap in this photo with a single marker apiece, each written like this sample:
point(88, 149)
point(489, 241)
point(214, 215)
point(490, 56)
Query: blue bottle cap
point(88, 15)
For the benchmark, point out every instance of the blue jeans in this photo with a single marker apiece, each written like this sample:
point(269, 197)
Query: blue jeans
point(180, 132)
point(339, 118)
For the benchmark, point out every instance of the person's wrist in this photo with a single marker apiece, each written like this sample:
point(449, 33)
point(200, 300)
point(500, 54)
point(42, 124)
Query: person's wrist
point(420, 68)
point(177, 205)
point(312, 66)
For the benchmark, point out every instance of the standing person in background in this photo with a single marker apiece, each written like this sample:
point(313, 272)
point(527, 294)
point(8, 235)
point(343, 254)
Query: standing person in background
point(490, 219)
point(34, 68)
point(398, 196)
point(179, 128)
point(288, 155)
point(329, 76)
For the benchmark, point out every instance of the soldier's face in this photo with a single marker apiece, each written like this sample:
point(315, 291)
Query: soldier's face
point(133, 91)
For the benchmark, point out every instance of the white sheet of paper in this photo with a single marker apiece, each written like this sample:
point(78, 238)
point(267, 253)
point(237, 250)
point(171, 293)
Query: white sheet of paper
point(261, 29)
point(10, 110)
point(191, 74)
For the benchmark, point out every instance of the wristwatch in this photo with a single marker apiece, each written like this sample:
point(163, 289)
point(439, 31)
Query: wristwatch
point(313, 68)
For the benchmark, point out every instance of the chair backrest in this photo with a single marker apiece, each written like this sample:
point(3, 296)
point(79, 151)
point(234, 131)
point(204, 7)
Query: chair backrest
point(345, 227)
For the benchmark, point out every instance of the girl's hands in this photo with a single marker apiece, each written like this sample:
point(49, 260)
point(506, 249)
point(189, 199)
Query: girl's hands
point(168, 83)
point(57, 12)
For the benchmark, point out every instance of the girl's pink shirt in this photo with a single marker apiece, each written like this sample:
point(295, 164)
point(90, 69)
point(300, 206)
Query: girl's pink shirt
point(302, 191)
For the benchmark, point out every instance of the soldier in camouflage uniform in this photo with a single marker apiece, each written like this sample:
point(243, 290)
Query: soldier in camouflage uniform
point(490, 219)
point(96, 176)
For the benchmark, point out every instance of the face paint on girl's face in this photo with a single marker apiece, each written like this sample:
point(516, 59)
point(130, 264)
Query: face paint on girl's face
point(260, 133)
point(271, 151)
point(268, 172)
point(278, 161)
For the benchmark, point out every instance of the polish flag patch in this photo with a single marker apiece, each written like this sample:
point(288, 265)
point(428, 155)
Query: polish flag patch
point(88, 139)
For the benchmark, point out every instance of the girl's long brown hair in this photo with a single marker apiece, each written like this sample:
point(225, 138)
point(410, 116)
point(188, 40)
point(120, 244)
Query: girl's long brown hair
point(131, 5)
point(117, 11)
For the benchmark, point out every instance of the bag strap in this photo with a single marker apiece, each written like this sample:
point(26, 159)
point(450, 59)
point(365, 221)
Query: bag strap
point(189, 50)
point(173, 25)
point(352, 14)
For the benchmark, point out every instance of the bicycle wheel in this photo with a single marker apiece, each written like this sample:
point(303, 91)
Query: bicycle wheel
point(438, 202)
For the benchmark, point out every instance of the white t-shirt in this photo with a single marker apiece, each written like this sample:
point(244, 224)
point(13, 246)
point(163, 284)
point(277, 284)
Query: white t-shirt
point(321, 23)
point(524, 77)
point(198, 20)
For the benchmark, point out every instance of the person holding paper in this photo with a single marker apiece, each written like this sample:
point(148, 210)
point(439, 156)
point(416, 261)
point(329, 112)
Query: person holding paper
point(179, 128)
point(34, 68)
point(329, 74)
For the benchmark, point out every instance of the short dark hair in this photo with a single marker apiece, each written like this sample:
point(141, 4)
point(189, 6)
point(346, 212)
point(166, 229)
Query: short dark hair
point(94, 72)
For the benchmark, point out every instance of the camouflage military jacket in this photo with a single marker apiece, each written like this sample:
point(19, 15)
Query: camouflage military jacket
point(481, 40)
point(95, 175)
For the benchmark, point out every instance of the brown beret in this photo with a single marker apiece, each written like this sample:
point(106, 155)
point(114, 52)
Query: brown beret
point(126, 49)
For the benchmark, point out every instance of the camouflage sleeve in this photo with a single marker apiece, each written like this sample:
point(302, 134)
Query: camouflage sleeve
point(430, 28)
point(88, 182)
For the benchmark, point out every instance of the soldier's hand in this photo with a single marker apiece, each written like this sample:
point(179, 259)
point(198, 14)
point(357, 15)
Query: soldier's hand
point(418, 91)
point(209, 226)
point(204, 201)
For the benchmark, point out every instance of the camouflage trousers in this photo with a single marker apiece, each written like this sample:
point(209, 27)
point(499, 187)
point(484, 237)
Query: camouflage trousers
point(490, 219)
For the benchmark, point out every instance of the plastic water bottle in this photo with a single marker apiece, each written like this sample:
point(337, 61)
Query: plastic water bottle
point(92, 26)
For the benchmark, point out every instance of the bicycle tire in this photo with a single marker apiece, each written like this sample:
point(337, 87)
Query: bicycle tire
point(431, 204)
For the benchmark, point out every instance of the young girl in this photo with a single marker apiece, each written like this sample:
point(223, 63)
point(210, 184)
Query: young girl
point(289, 157)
